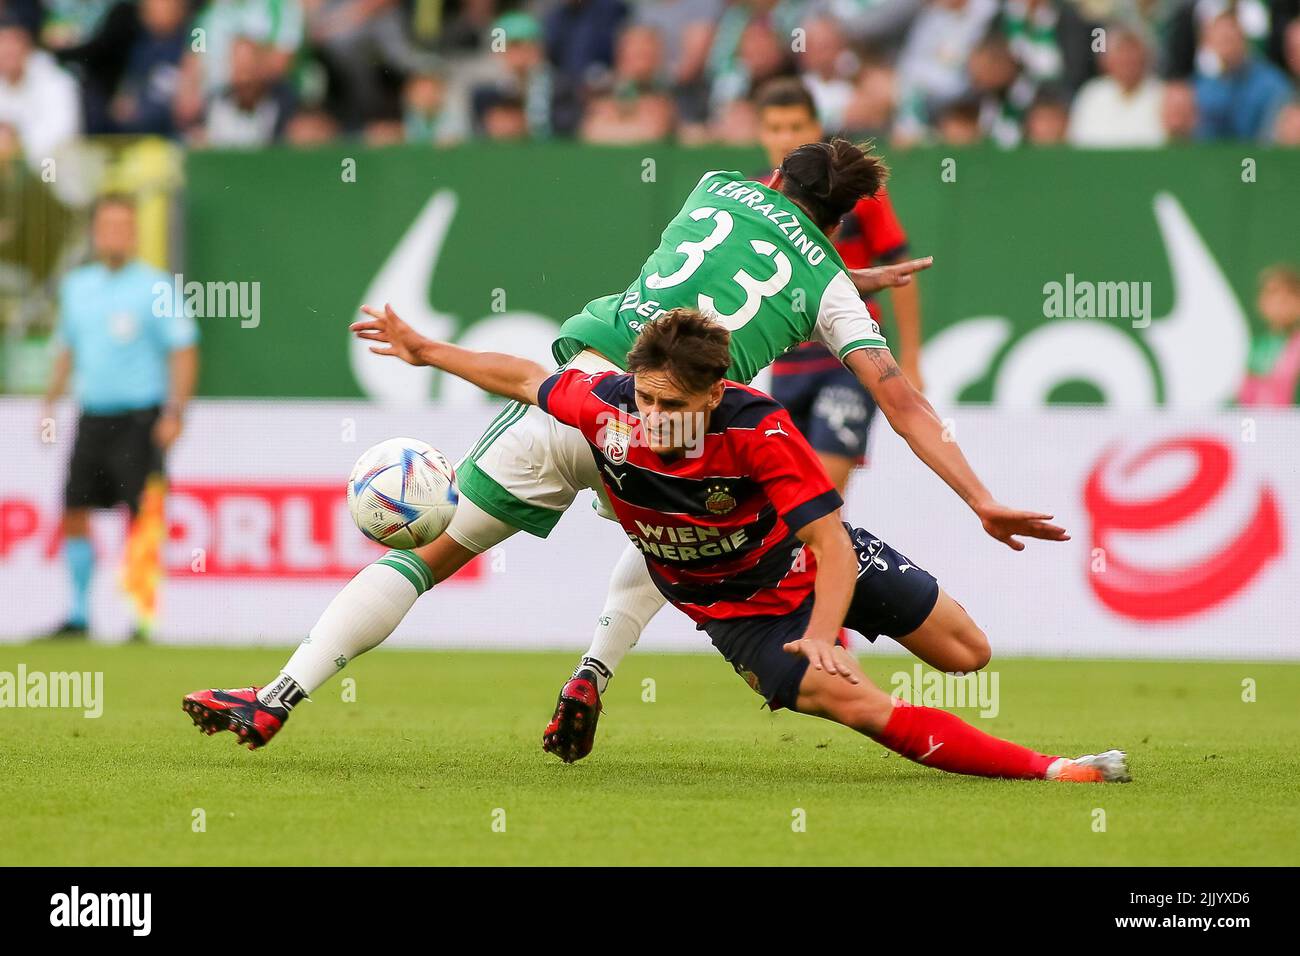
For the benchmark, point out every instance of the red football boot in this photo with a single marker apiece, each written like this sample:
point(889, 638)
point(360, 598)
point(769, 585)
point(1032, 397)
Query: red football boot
point(238, 711)
point(572, 731)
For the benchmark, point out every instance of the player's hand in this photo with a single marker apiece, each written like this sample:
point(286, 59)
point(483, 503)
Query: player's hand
point(1005, 523)
point(167, 429)
point(821, 655)
point(397, 338)
point(888, 276)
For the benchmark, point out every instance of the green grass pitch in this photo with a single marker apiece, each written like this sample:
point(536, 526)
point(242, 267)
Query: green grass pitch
point(415, 769)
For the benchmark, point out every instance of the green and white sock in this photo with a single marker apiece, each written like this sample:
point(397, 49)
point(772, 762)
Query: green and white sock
point(360, 617)
point(631, 602)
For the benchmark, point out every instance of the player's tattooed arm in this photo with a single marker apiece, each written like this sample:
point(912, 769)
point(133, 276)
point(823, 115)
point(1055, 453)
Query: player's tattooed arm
point(883, 365)
point(935, 443)
point(506, 375)
point(906, 299)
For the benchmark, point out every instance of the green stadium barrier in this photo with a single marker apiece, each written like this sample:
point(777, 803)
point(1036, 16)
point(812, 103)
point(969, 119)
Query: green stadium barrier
point(541, 229)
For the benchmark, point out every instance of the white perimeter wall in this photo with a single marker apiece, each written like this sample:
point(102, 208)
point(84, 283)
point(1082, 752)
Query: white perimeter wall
point(1197, 540)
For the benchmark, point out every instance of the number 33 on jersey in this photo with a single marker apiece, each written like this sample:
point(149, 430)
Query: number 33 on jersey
point(751, 258)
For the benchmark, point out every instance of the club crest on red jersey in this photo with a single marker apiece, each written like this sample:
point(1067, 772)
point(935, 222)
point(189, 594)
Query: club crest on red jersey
point(719, 500)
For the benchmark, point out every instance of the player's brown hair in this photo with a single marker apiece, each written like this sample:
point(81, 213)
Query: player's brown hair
point(693, 350)
point(828, 179)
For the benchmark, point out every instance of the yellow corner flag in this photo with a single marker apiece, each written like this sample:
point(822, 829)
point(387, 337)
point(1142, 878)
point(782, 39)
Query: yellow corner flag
point(142, 558)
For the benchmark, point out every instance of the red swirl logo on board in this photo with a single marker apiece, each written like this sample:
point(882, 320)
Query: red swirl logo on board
point(1179, 528)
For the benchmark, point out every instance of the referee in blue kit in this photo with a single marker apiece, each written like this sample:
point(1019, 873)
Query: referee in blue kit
point(133, 360)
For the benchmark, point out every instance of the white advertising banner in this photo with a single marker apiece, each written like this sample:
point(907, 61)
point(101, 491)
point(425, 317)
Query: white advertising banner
point(1184, 529)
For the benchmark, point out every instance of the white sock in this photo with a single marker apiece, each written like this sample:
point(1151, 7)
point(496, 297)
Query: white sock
point(632, 601)
point(360, 617)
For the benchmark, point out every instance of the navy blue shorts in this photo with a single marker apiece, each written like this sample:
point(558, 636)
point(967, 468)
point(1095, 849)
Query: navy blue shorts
point(830, 407)
point(893, 597)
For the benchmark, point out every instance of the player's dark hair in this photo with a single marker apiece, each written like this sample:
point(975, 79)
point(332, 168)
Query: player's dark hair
point(692, 349)
point(827, 179)
point(785, 91)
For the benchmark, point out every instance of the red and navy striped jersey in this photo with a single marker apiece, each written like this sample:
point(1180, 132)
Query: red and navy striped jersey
point(717, 527)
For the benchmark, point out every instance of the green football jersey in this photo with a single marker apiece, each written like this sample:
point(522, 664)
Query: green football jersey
point(750, 258)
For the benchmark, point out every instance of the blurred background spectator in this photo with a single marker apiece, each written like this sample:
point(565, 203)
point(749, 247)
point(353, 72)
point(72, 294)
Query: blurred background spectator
point(1238, 92)
point(636, 107)
point(254, 107)
point(276, 25)
point(249, 73)
point(827, 67)
point(312, 127)
point(1178, 116)
point(1286, 129)
point(355, 38)
point(142, 100)
point(1048, 118)
point(39, 101)
point(580, 40)
point(749, 51)
point(1120, 108)
point(504, 117)
point(958, 123)
point(1004, 90)
point(439, 72)
point(424, 100)
point(1273, 372)
point(518, 71)
point(932, 65)
point(685, 28)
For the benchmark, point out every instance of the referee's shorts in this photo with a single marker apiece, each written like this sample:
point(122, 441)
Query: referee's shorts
point(112, 457)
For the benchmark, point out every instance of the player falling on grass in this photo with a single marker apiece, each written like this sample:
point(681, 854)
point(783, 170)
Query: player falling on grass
point(738, 525)
point(758, 258)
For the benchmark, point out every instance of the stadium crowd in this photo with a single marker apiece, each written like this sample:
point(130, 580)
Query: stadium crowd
point(247, 73)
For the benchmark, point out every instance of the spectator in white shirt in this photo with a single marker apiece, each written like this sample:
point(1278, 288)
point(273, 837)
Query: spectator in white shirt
point(1120, 108)
point(37, 98)
point(931, 67)
point(827, 66)
point(253, 110)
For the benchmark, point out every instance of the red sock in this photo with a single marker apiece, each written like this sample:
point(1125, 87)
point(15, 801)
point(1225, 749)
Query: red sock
point(942, 740)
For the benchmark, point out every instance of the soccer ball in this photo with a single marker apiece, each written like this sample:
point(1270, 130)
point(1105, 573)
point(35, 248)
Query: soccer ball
point(402, 493)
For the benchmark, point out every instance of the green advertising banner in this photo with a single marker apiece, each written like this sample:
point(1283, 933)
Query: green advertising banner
point(1128, 278)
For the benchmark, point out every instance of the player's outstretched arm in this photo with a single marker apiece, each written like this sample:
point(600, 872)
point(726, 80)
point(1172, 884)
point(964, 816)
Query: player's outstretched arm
point(506, 375)
point(891, 275)
point(912, 416)
point(837, 574)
